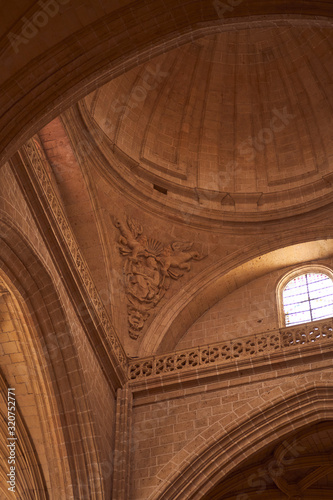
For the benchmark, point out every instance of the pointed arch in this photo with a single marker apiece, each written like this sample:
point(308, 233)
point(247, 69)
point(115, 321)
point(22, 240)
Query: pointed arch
point(52, 360)
point(203, 462)
point(225, 276)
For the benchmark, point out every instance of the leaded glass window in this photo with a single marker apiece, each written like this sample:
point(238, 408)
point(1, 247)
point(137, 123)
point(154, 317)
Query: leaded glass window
point(308, 297)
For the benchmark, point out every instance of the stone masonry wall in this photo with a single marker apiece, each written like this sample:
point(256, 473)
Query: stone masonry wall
point(169, 430)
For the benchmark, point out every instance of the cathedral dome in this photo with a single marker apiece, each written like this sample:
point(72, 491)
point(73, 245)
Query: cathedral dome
point(237, 122)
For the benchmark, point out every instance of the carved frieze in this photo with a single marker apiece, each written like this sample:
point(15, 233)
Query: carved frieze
point(34, 153)
point(148, 269)
point(262, 344)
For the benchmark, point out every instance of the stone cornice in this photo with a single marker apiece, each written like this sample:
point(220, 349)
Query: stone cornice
point(33, 160)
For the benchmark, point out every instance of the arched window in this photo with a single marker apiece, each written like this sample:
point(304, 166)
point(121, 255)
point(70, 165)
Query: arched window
point(306, 295)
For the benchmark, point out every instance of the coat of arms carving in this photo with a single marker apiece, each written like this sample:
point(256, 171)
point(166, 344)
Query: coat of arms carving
point(149, 267)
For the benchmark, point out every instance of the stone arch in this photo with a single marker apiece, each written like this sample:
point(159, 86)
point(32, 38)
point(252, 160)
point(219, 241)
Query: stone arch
point(219, 450)
point(51, 348)
point(30, 481)
point(225, 276)
point(40, 85)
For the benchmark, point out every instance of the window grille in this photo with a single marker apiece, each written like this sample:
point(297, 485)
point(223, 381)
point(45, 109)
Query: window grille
point(308, 297)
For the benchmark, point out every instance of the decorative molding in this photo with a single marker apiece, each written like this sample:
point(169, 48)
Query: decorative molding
point(233, 350)
point(148, 267)
point(34, 153)
point(190, 204)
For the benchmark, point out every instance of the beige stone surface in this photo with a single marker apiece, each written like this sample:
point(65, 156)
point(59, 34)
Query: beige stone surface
point(163, 165)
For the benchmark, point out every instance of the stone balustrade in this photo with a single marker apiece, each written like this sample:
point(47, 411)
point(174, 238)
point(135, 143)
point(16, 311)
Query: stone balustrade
point(232, 350)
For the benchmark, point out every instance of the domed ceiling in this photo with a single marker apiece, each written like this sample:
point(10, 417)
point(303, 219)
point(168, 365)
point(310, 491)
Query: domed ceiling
point(239, 121)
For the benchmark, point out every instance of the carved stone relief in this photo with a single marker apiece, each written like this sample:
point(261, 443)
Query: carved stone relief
point(33, 153)
point(148, 269)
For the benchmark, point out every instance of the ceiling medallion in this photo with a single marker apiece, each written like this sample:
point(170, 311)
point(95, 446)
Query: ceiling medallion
point(148, 267)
